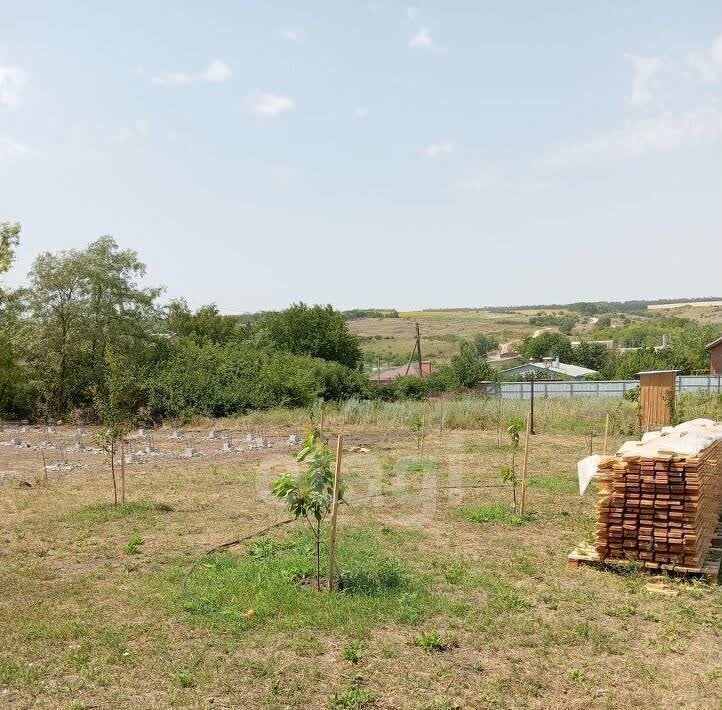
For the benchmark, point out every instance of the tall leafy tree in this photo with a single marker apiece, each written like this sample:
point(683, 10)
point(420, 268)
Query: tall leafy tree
point(318, 331)
point(14, 393)
point(84, 303)
point(9, 239)
point(206, 325)
point(547, 344)
point(468, 368)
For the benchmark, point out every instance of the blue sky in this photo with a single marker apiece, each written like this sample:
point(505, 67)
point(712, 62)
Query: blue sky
point(371, 153)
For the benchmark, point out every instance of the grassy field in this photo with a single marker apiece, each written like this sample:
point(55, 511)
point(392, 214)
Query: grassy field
point(441, 331)
point(449, 600)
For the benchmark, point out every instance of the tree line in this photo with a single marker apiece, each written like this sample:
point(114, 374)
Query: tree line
point(685, 352)
point(84, 338)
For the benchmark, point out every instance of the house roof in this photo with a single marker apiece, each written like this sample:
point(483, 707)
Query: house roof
point(561, 368)
point(714, 343)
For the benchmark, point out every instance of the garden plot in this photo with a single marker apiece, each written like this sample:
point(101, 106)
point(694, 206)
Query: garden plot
point(449, 600)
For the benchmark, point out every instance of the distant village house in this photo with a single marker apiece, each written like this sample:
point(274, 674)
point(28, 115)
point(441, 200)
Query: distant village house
point(549, 368)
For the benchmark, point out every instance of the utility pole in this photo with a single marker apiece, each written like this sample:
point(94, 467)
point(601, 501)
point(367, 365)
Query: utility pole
point(418, 348)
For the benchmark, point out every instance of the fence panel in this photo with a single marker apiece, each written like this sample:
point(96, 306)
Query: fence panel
point(567, 389)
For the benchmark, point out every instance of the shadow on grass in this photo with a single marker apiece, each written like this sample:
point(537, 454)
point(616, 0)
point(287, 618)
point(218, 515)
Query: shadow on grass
point(104, 512)
point(263, 587)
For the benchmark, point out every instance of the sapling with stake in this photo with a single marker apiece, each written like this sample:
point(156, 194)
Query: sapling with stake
point(515, 428)
point(508, 475)
point(309, 494)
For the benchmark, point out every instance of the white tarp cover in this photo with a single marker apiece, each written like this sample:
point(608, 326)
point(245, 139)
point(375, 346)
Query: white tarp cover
point(686, 439)
point(586, 470)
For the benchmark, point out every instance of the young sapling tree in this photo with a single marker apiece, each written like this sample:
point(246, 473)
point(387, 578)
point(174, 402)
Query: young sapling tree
point(508, 475)
point(309, 494)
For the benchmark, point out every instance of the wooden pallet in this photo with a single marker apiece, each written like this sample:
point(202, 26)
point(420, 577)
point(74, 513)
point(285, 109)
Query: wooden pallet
point(585, 554)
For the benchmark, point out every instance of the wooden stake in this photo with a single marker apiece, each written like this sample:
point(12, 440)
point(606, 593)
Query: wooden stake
point(591, 442)
point(112, 470)
point(45, 468)
point(122, 469)
point(525, 466)
point(606, 435)
point(334, 515)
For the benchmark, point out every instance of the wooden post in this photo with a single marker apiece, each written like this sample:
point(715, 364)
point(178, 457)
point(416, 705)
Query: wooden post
point(334, 515)
point(591, 441)
point(418, 349)
point(525, 465)
point(112, 469)
point(606, 435)
point(45, 468)
point(122, 469)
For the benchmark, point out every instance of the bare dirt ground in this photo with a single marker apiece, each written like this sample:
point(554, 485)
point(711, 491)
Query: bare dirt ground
point(92, 615)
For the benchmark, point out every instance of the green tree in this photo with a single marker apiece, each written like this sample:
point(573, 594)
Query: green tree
point(547, 344)
point(485, 344)
point(82, 304)
point(205, 325)
point(318, 331)
point(9, 240)
point(468, 368)
point(15, 393)
point(591, 355)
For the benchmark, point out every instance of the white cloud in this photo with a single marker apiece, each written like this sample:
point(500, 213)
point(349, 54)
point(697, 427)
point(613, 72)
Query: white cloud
point(10, 149)
point(422, 40)
point(708, 63)
point(663, 133)
point(646, 70)
point(12, 83)
point(361, 112)
point(215, 73)
point(436, 150)
point(412, 13)
point(295, 34)
point(139, 129)
point(172, 79)
point(268, 104)
point(479, 182)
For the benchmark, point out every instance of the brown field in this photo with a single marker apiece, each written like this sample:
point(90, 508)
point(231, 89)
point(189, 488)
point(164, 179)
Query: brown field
point(92, 612)
point(440, 331)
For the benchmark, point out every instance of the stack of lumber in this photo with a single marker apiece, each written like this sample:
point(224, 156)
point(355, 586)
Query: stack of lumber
point(660, 499)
